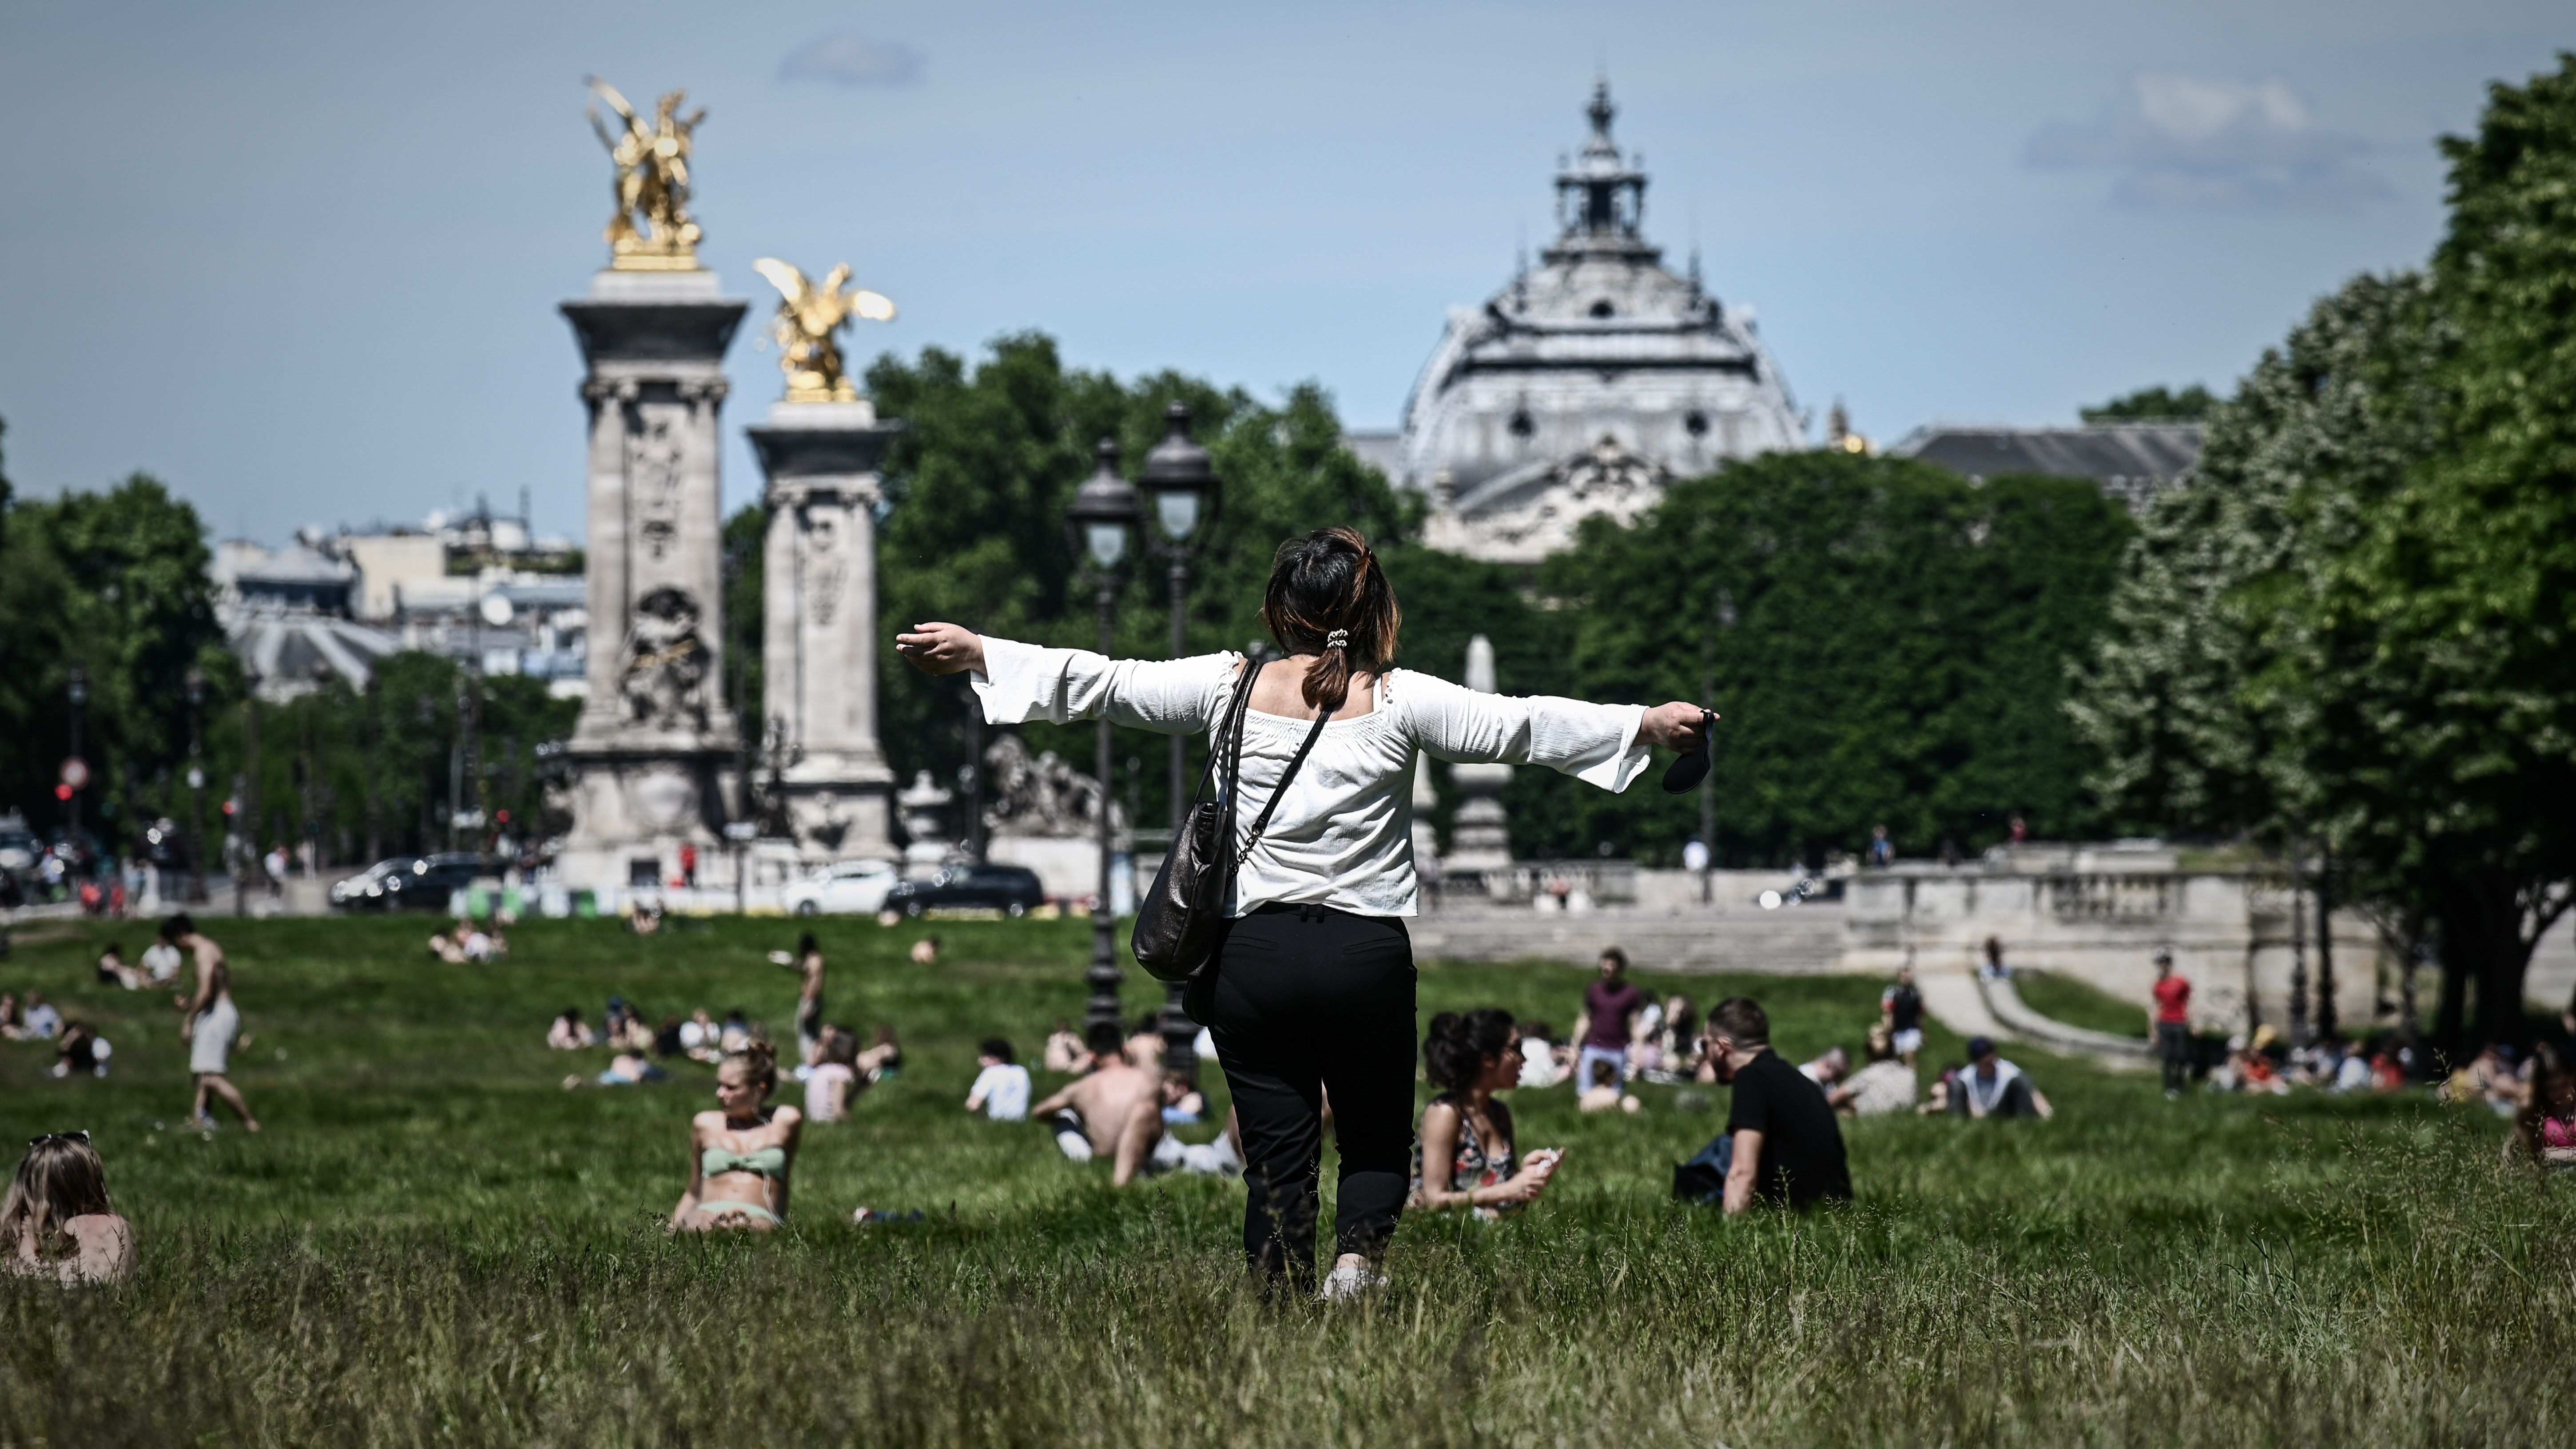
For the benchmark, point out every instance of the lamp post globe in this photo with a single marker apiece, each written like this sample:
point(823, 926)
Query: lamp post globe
point(1104, 513)
point(1185, 490)
point(1100, 522)
point(1178, 475)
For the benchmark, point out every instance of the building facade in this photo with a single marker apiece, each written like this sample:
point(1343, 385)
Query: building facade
point(1587, 383)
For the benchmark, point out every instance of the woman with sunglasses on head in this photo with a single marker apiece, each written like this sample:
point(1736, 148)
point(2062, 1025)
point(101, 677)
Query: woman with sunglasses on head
point(1311, 989)
point(57, 1222)
point(1469, 1058)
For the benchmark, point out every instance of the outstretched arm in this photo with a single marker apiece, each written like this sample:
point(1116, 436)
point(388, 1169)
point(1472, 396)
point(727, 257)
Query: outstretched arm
point(1022, 682)
point(1600, 744)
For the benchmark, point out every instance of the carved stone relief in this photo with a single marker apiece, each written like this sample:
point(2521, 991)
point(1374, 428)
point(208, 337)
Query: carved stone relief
point(655, 449)
point(665, 677)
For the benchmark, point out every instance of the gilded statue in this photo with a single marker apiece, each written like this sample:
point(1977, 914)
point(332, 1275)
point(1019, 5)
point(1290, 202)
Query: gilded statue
point(809, 317)
point(651, 231)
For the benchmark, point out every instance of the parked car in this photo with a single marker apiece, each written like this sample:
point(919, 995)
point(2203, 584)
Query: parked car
point(409, 883)
point(1013, 890)
point(852, 887)
point(18, 845)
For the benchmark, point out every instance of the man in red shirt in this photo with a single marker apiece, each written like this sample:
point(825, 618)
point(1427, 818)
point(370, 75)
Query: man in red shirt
point(2172, 1017)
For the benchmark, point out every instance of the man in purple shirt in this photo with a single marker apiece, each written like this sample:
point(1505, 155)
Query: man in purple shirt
point(1610, 1005)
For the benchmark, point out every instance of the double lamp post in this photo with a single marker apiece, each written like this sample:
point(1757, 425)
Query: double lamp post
point(1104, 517)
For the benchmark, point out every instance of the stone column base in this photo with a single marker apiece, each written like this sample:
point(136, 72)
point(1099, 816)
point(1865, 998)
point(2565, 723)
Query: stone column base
point(633, 813)
point(830, 820)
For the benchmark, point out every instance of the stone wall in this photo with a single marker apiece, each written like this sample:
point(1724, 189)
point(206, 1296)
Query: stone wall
point(2101, 920)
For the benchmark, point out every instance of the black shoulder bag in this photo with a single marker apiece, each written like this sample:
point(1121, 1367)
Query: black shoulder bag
point(1179, 920)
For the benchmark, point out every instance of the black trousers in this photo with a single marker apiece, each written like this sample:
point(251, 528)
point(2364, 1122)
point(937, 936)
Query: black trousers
point(1305, 1001)
point(2173, 1039)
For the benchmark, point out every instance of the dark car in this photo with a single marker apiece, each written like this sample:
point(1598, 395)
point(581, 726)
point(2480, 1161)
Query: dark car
point(409, 883)
point(1012, 890)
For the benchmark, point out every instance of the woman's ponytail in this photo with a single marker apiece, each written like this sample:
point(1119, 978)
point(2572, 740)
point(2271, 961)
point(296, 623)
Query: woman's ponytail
point(1328, 595)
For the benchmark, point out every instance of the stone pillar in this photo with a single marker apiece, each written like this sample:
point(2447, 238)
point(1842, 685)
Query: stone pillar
point(1480, 837)
point(652, 762)
point(819, 632)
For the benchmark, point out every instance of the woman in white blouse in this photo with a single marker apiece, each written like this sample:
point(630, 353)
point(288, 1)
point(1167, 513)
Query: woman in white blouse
point(1312, 990)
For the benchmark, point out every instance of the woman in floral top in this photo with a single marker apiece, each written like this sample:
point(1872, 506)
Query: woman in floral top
point(1471, 1057)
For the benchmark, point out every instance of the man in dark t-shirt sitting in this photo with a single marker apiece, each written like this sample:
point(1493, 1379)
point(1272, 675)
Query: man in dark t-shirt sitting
point(1781, 1145)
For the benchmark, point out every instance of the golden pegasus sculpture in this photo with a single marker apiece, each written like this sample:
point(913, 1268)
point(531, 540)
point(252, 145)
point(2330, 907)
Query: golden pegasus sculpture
point(810, 314)
point(651, 231)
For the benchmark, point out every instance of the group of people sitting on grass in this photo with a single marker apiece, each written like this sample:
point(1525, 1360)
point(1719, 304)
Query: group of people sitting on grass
point(158, 966)
point(1122, 1103)
point(470, 941)
point(78, 1048)
point(2265, 1063)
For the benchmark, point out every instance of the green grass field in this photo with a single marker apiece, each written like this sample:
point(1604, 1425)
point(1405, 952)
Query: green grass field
point(2078, 1003)
point(434, 1243)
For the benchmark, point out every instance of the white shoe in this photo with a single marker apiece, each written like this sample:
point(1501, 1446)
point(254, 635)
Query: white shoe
point(1348, 1281)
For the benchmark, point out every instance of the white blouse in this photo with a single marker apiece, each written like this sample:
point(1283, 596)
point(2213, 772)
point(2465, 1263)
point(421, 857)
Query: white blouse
point(1343, 836)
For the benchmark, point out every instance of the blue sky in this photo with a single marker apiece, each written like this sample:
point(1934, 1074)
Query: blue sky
point(302, 260)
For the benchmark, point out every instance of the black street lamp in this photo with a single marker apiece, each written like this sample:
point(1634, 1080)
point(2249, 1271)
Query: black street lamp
point(1102, 518)
point(196, 686)
point(1185, 490)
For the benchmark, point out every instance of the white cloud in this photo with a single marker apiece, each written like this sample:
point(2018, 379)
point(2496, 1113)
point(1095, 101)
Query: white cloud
point(850, 59)
point(2180, 142)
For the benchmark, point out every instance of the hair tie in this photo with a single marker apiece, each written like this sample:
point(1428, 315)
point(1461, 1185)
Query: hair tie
point(1338, 639)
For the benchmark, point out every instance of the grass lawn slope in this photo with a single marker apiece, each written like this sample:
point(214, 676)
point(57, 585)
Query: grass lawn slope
point(435, 1243)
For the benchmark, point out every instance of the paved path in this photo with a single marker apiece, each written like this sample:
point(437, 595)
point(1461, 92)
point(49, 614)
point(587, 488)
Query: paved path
point(1953, 999)
point(1959, 1000)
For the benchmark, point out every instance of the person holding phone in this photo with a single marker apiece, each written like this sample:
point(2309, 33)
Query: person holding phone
point(1471, 1057)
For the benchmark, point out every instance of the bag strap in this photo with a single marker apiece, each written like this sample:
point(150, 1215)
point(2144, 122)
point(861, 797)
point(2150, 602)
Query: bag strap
point(1229, 728)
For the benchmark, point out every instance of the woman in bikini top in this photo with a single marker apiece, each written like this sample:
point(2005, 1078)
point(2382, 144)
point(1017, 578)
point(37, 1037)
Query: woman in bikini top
point(740, 1154)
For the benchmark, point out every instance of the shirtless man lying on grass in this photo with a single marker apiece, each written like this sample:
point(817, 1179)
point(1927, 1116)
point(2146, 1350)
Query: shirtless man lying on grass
point(1115, 1112)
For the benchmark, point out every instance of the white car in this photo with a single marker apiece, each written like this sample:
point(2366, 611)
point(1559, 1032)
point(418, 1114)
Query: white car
point(851, 888)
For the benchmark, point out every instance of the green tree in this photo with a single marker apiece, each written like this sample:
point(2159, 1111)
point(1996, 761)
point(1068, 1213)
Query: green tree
point(2154, 405)
point(973, 532)
point(2449, 720)
point(1887, 643)
point(115, 584)
point(2353, 623)
point(2192, 699)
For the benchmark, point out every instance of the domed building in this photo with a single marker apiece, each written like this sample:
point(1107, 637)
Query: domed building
point(1586, 384)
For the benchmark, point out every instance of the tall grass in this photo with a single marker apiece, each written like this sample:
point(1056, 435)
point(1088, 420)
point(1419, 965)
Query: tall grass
point(434, 1244)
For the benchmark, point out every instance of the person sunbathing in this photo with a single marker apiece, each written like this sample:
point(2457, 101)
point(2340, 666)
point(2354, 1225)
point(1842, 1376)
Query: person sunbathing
point(741, 1153)
point(1065, 1051)
point(57, 1222)
point(570, 1032)
point(112, 970)
point(1116, 1111)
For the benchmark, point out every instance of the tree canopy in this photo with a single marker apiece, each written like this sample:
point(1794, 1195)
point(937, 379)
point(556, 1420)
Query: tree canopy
point(2352, 624)
point(1887, 641)
point(2154, 404)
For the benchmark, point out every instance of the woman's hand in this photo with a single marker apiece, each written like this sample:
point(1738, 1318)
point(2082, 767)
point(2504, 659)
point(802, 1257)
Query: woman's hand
point(1525, 1185)
point(1672, 726)
point(942, 649)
